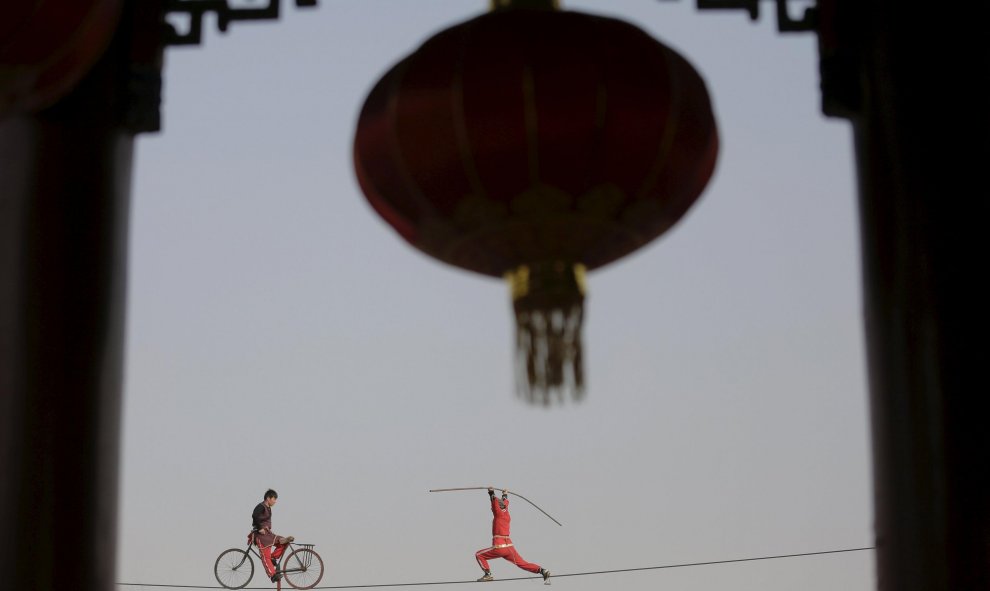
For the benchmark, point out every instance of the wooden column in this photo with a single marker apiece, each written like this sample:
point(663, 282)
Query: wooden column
point(65, 176)
point(914, 87)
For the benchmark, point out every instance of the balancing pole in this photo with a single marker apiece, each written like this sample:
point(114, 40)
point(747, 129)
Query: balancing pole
point(504, 491)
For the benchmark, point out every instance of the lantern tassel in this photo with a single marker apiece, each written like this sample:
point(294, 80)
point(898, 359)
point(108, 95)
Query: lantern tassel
point(548, 300)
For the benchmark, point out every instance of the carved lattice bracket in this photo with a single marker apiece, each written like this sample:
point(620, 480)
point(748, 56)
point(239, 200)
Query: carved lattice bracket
point(226, 14)
point(785, 23)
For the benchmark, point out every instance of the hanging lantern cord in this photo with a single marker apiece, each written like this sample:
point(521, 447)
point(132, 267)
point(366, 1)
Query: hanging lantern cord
point(526, 4)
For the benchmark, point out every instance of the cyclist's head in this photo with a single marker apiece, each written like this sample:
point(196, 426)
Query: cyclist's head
point(270, 494)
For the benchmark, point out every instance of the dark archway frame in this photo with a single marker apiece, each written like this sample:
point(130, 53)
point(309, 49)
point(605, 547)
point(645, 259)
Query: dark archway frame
point(910, 80)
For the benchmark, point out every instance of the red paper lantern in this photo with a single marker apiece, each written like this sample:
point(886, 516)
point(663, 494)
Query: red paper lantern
point(535, 144)
point(47, 46)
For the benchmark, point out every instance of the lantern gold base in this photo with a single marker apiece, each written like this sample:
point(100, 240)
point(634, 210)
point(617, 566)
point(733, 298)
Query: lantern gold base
point(548, 300)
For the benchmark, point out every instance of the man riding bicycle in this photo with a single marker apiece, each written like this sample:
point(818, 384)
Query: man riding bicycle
point(270, 545)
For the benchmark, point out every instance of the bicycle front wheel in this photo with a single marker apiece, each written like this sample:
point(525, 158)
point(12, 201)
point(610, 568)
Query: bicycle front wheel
point(303, 569)
point(234, 568)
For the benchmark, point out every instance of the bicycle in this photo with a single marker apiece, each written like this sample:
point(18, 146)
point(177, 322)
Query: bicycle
point(301, 567)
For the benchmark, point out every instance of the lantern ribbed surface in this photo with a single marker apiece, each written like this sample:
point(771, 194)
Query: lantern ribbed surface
point(541, 140)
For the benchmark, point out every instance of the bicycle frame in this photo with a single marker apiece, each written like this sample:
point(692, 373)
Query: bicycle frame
point(253, 549)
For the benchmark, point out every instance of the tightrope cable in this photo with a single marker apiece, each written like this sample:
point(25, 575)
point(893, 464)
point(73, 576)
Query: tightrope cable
point(555, 576)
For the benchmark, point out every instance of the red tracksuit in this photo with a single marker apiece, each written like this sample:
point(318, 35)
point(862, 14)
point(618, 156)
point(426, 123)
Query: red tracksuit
point(501, 542)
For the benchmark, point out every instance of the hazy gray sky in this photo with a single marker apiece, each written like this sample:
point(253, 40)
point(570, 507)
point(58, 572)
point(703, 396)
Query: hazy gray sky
point(281, 335)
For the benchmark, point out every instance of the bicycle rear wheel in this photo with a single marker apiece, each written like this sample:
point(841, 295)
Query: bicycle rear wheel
point(303, 569)
point(234, 568)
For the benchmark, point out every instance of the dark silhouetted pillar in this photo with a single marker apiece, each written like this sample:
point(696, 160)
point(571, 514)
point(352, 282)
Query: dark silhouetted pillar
point(913, 81)
point(65, 176)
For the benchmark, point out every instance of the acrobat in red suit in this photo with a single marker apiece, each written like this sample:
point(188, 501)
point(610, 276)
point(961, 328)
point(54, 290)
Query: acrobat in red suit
point(271, 545)
point(501, 542)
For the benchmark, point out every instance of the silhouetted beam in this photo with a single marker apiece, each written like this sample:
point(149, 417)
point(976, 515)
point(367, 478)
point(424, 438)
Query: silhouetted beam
point(65, 177)
point(923, 189)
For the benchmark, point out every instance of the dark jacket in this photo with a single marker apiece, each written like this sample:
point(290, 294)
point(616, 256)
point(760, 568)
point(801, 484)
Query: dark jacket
point(261, 518)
